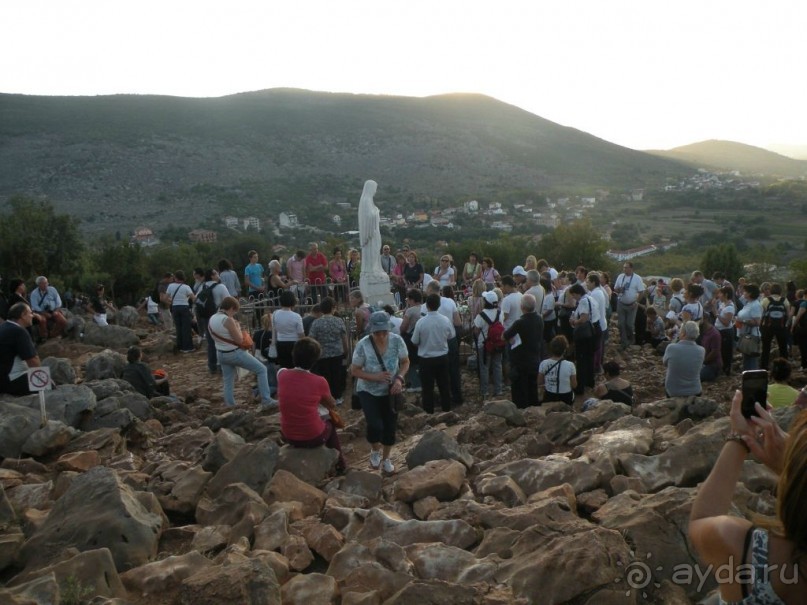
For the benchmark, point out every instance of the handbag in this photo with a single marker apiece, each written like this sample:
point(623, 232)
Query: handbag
point(355, 402)
point(397, 401)
point(246, 339)
point(336, 419)
point(749, 344)
point(583, 331)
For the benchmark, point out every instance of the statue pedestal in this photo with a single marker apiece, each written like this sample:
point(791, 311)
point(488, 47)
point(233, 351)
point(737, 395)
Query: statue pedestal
point(376, 290)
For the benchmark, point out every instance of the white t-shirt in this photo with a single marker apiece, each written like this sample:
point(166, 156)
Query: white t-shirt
point(511, 309)
point(548, 308)
point(447, 308)
point(287, 325)
point(557, 375)
point(632, 285)
point(179, 294)
point(538, 292)
point(598, 294)
point(447, 278)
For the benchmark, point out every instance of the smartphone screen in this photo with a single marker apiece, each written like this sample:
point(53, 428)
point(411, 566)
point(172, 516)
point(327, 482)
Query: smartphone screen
point(755, 389)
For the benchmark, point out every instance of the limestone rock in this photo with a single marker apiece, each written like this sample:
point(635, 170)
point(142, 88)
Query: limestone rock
point(536, 475)
point(53, 436)
point(111, 337)
point(31, 495)
point(61, 372)
point(676, 409)
point(507, 410)
point(441, 562)
point(437, 445)
point(119, 522)
point(161, 576)
point(235, 502)
point(285, 487)
point(686, 462)
point(127, 316)
point(310, 589)
point(17, 424)
point(378, 523)
point(296, 550)
point(106, 364)
point(253, 465)
point(323, 539)
point(211, 538)
point(272, 532)
point(78, 461)
point(224, 447)
point(187, 444)
point(312, 465)
point(249, 581)
point(439, 478)
point(92, 570)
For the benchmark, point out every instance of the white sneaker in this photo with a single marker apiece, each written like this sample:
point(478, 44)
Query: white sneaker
point(375, 459)
point(388, 467)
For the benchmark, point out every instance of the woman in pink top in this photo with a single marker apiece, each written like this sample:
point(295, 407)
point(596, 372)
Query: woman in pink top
point(300, 394)
point(338, 273)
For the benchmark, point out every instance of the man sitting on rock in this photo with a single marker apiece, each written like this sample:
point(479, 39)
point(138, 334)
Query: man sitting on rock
point(683, 360)
point(45, 301)
point(17, 352)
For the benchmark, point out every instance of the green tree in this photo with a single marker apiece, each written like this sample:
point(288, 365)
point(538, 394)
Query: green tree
point(724, 258)
point(122, 268)
point(35, 240)
point(575, 243)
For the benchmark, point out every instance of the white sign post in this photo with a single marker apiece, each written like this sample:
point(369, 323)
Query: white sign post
point(39, 380)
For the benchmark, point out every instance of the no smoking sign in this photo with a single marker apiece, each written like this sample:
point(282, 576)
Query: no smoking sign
point(39, 379)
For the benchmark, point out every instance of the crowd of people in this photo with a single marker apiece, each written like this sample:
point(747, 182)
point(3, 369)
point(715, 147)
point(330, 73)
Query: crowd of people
point(537, 331)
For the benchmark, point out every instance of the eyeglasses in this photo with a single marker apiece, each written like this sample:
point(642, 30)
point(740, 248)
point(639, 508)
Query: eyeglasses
point(443, 260)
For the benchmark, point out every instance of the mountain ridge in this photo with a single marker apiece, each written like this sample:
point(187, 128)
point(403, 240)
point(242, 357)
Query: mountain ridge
point(124, 158)
point(732, 155)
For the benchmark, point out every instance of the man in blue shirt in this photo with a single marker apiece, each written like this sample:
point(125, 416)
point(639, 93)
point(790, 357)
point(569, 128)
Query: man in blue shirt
point(45, 301)
point(253, 275)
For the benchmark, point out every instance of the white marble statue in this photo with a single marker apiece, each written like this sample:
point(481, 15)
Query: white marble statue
point(370, 231)
point(373, 280)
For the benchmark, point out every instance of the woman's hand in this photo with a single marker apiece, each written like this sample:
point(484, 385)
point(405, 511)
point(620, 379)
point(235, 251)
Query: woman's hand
point(768, 444)
point(739, 423)
point(383, 377)
point(397, 387)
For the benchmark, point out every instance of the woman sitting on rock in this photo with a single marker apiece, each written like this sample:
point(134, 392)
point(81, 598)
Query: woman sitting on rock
point(300, 395)
point(756, 564)
point(615, 387)
point(139, 375)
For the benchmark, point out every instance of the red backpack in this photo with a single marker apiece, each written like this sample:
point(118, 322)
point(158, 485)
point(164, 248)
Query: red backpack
point(494, 340)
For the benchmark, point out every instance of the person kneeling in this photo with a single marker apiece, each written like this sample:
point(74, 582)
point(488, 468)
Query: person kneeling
point(139, 375)
point(300, 395)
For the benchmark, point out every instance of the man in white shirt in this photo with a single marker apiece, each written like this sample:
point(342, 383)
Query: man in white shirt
point(709, 288)
point(598, 315)
point(387, 260)
point(535, 288)
point(628, 287)
point(45, 301)
point(449, 310)
point(431, 337)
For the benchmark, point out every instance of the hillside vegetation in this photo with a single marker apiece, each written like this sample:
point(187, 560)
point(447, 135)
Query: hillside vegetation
point(117, 161)
point(729, 156)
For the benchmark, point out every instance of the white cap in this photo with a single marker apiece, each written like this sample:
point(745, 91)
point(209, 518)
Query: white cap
point(490, 297)
point(553, 274)
point(519, 270)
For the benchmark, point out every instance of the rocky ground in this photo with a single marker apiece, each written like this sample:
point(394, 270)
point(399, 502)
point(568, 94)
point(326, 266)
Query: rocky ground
point(122, 500)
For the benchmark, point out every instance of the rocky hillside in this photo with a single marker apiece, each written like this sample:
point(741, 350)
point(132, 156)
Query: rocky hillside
point(120, 500)
point(118, 161)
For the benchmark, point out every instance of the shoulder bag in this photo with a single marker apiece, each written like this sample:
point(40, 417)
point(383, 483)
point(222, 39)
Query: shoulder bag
point(749, 344)
point(397, 401)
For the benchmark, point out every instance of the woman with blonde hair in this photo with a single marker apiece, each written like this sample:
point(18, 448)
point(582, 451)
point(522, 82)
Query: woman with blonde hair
point(756, 564)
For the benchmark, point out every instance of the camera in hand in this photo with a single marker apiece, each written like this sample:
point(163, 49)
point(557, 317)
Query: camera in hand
point(754, 389)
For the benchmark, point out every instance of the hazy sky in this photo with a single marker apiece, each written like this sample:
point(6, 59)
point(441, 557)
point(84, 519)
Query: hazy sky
point(642, 73)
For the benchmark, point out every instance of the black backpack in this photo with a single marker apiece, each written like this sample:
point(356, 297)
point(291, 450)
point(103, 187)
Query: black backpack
point(775, 314)
point(205, 303)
